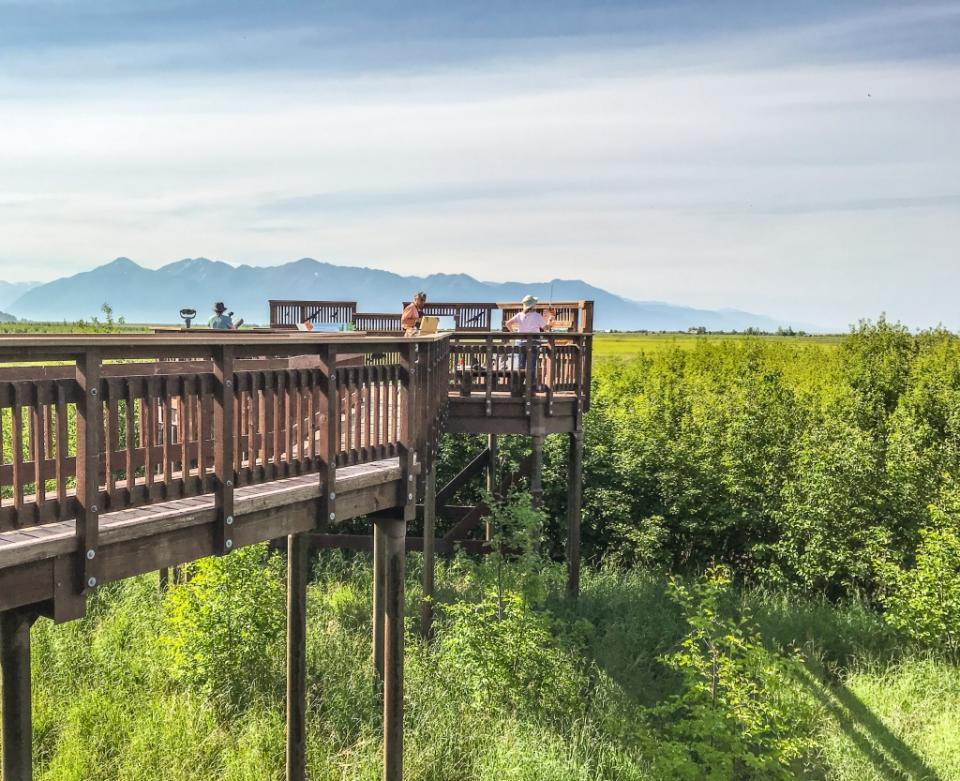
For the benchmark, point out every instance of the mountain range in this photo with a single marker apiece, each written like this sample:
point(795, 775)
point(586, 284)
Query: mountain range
point(146, 295)
point(11, 291)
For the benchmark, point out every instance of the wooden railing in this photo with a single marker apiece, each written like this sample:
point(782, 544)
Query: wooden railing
point(288, 314)
point(576, 315)
point(466, 316)
point(523, 365)
point(378, 322)
point(142, 419)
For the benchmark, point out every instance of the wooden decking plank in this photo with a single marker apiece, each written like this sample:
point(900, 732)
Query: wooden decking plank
point(49, 540)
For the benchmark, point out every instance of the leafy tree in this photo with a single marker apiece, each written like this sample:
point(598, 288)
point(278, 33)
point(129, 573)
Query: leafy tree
point(923, 601)
point(727, 721)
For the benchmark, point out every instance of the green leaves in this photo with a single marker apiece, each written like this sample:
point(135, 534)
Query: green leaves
point(225, 627)
point(923, 601)
point(726, 722)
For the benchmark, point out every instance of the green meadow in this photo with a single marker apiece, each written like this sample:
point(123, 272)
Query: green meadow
point(629, 345)
point(772, 531)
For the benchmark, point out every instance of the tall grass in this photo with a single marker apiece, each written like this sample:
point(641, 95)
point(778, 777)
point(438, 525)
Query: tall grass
point(109, 703)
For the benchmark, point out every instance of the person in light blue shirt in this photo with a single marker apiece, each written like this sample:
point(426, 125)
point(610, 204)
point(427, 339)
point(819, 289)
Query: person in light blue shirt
point(220, 320)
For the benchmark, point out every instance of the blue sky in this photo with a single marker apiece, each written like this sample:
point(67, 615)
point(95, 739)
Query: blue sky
point(799, 159)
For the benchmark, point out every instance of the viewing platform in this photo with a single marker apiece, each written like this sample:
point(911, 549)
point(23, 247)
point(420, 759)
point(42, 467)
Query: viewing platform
point(133, 454)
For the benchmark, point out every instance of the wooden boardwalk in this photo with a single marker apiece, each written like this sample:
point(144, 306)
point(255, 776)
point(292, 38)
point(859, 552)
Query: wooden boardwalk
point(361, 490)
point(121, 456)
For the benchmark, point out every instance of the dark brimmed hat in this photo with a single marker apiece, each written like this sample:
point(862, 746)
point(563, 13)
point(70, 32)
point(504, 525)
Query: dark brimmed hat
point(219, 307)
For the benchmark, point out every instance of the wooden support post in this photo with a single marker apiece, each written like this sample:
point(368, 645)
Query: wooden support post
point(17, 706)
point(492, 486)
point(395, 532)
point(223, 447)
point(429, 559)
point(297, 575)
point(164, 580)
point(328, 474)
point(89, 438)
point(536, 470)
point(379, 584)
point(574, 512)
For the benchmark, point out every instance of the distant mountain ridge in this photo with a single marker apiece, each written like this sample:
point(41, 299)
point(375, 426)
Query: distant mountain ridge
point(156, 295)
point(11, 291)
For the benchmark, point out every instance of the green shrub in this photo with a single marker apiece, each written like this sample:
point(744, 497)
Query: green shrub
point(923, 601)
point(727, 721)
point(225, 627)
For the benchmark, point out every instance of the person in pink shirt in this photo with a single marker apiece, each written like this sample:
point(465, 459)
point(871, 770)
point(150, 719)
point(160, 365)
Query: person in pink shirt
point(528, 321)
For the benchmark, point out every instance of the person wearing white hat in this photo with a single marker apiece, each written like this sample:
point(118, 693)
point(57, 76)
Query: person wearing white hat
point(528, 321)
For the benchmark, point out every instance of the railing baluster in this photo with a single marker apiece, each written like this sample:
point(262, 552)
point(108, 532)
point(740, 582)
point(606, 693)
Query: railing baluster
point(254, 423)
point(147, 430)
point(281, 438)
point(300, 442)
point(355, 415)
point(112, 445)
point(377, 411)
point(266, 424)
point(16, 444)
point(313, 388)
point(129, 411)
point(236, 423)
point(38, 420)
point(166, 435)
point(289, 420)
point(205, 435)
point(63, 446)
point(185, 431)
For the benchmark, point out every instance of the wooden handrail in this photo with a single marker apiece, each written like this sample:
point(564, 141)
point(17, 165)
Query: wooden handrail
point(499, 362)
point(288, 406)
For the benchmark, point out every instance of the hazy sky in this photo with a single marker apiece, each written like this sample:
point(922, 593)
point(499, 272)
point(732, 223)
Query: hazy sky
point(798, 159)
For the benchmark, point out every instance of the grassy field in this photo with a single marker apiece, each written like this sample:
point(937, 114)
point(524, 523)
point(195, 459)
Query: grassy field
point(77, 327)
point(628, 345)
point(190, 687)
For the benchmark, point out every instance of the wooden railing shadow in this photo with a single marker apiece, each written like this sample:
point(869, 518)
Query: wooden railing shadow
point(892, 759)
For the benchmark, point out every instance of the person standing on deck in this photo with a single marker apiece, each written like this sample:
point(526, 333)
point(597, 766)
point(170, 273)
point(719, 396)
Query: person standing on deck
point(410, 319)
point(528, 321)
point(220, 320)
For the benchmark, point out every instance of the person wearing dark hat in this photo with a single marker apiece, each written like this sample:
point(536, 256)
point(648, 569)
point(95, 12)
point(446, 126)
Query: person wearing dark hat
point(220, 319)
